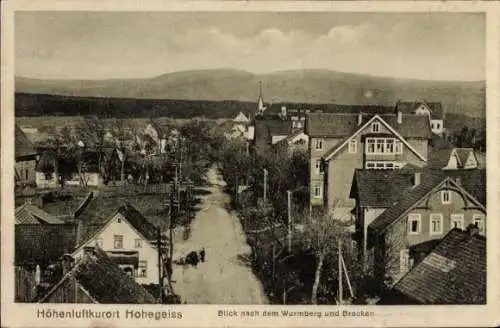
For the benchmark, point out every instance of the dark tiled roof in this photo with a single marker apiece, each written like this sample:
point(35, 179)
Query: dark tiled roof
point(409, 107)
point(43, 243)
point(90, 160)
point(463, 154)
point(23, 146)
point(344, 125)
point(453, 273)
point(439, 158)
point(408, 198)
point(473, 181)
point(105, 281)
point(273, 127)
point(30, 214)
point(329, 108)
point(379, 188)
point(138, 221)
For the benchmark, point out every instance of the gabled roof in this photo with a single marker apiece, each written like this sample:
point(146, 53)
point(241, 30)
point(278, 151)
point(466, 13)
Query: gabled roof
point(241, 118)
point(439, 158)
point(275, 127)
point(463, 154)
point(379, 188)
point(43, 243)
point(343, 125)
point(94, 224)
point(393, 128)
point(473, 181)
point(409, 107)
point(104, 281)
point(23, 146)
point(30, 214)
point(430, 180)
point(290, 137)
point(453, 273)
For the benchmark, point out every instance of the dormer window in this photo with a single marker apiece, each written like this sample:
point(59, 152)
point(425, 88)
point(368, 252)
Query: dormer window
point(375, 127)
point(446, 197)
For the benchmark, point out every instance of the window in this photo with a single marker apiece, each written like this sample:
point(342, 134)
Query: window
point(317, 191)
point(26, 174)
point(446, 197)
point(404, 260)
point(98, 242)
point(432, 125)
point(457, 221)
point(438, 125)
point(383, 146)
point(370, 145)
point(478, 221)
point(436, 224)
point(319, 144)
point(138, 243)
point(375, 127)
point(382, 165)
point(353, 146)
point(398, 147)
point(118, 241)
point(142, 271)
point(414, 224)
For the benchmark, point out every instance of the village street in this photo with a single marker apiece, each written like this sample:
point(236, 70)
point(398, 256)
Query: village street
point(223, 278)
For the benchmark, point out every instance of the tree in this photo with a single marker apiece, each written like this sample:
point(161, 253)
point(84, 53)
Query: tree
point(322, 236)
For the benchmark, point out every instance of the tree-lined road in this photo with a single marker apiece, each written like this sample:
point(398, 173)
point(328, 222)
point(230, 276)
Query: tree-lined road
point(223, 278)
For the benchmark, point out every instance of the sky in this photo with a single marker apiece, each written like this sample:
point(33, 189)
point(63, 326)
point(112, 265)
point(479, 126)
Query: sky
point(107, 45)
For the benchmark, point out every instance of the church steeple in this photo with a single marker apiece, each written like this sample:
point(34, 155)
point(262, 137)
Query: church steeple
point(260, 102)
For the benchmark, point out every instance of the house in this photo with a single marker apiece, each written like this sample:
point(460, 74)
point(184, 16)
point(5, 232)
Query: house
point(433, 110)
point(340, 143)
point(241, 118)
point(26, 157)
point(296, 141)
point(30, 214)
point(52, 170)
point(453, 273)
point(95, 278)
point(411, 226)
point(128, 238)
point(268, 133)
point(453, 159)
point(37, 250)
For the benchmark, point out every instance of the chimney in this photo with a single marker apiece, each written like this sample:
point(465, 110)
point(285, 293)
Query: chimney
point(417, 179)
point(400, 117)
point(67, 263)
point(360, 118)
point(472, 229)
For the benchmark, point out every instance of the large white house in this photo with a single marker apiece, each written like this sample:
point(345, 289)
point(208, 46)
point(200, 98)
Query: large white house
point(130, 240)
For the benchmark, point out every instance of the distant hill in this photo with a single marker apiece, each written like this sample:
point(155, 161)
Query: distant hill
point(304, 86)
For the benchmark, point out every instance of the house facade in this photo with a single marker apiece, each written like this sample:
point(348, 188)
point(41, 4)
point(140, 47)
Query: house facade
point(297, 141)
point(432, 110)
point(341, 143)
point(25, 157)
point(405, 233)
point(130, 240)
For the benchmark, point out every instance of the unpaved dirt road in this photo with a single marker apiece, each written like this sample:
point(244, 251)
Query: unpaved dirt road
point(223, 278)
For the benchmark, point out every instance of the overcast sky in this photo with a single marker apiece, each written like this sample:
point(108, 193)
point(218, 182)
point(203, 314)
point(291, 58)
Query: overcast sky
point(100, 45)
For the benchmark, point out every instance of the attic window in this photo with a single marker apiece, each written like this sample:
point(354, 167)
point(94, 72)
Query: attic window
point(375, 127)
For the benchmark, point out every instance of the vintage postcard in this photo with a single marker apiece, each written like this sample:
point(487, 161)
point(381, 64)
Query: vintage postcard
point(249, 164)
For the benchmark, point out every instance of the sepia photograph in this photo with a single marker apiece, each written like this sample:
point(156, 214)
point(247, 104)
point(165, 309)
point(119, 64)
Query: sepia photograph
point(266, 162)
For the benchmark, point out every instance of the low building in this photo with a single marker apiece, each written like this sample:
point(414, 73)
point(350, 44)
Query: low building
point(129, 239)
point(31, 214)
point(95, 278)
point(25, 157)
point(453, 273)
point(296, 141)
point(267, 133)
point(453, 159)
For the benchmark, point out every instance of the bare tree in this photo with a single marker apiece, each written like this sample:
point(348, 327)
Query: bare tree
point(322, 235)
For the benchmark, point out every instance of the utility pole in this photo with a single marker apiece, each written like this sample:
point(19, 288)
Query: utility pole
point(160, 277)
point(289, 194)
point(265, 186)
point(340, 272)
point(347, 276)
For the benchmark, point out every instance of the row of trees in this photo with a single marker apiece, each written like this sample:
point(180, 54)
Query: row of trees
point(469, 138)
point(308, 271)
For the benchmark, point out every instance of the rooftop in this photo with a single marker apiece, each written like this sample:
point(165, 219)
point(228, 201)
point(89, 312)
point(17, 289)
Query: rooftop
point(23, 146)
point(453, 273)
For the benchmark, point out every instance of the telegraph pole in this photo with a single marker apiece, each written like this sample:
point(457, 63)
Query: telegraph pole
point(265, 186)
point(340, 272)
point(160, 277)
point(289, 194)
